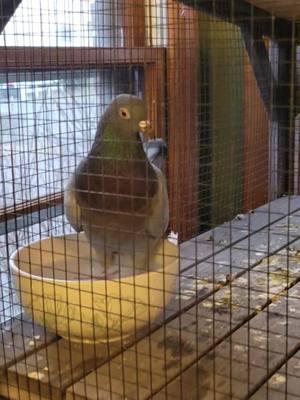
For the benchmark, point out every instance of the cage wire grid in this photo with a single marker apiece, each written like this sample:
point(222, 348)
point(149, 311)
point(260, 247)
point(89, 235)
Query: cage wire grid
point(109, 288)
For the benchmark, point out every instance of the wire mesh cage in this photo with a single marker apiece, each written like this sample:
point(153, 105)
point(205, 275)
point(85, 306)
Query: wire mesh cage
point(150, 205)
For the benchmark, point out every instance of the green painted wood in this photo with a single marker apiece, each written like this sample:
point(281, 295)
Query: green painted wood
point(222, 48)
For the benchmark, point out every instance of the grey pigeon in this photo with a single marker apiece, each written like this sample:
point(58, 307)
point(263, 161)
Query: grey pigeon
point(116, 194)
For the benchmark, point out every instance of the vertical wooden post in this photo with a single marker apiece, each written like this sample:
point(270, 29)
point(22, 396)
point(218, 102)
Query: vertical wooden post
point(297, 119)
point(134, 23)
point(134, 26)
point(285, 104)
point(256, 145)
point(180, 105)
point(155, 95)
point(221, 138)
point(182, 118)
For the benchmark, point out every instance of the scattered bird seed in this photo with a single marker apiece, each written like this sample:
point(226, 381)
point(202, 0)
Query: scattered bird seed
point(277, 379)
point(36, 375)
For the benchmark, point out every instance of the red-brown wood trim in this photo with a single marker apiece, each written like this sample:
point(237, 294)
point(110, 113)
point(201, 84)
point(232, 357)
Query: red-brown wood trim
point(134, 23)
point(54, 58)
point(30, 206)
point(155, 96)
point(182, 56)
point(256, 142)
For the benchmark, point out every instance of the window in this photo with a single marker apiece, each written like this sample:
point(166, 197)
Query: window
point(48, 122)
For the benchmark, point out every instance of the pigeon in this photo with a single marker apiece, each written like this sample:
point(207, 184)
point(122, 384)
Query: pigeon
point(117, 195)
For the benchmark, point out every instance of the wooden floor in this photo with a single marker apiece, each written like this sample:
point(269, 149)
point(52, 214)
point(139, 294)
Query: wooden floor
point(231, 332)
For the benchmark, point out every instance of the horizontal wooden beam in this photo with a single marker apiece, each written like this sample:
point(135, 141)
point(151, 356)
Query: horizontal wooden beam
point(29, 207)
point(54, 58)
point(288, 9)
point(238, 11)
point(24, 220)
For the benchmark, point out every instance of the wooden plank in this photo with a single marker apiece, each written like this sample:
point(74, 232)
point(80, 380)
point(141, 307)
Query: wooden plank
point(242, 360)
point(146, 367)
point(284, 384)
point(48, 372)
point(67, 363)
point(20, 337)
point(232, 263)
point(55, 58)
point(283, 205)
point(277, 213)
point(15, 393)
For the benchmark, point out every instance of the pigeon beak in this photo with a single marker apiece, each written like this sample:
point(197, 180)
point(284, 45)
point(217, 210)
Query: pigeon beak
point(145, 127)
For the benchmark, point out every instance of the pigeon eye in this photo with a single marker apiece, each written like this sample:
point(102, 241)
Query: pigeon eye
point(124, 113)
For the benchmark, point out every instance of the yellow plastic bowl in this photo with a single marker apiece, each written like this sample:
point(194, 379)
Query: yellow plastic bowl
point(56, 284)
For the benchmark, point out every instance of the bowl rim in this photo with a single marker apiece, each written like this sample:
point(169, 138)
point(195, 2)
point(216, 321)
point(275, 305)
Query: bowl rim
point(19, 272)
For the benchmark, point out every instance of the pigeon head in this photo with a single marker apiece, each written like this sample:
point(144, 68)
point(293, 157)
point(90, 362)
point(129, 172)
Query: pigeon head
point(127, 115)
